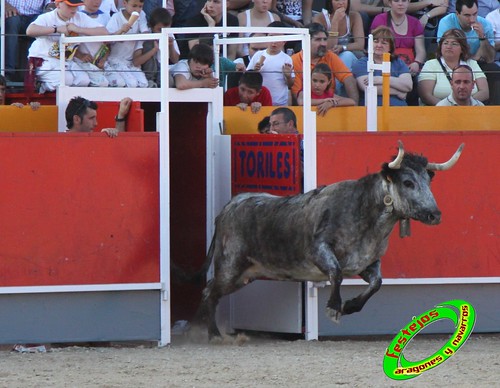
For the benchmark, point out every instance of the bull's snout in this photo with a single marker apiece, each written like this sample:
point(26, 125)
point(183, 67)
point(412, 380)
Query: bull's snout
point(434, 217)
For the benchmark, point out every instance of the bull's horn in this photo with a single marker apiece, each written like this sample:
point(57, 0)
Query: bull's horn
point(396, 163)
point(449, 164)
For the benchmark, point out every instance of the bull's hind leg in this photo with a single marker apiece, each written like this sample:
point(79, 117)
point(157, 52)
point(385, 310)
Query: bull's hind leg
point(208, 306)
point(373, 277)
point(216, 289)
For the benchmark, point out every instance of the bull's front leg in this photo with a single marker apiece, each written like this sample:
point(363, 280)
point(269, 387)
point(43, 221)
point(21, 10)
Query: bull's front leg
point(373, 277)
point(326, 261)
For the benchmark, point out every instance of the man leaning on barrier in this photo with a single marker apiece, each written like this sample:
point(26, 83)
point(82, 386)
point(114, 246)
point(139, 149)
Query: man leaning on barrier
point(81, 116)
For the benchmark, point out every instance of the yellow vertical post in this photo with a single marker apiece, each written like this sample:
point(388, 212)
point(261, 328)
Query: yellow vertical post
point(386, 91)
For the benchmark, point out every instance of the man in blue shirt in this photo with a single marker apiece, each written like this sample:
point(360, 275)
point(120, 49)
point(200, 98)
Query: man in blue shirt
point(484, 6)
point(478, 30)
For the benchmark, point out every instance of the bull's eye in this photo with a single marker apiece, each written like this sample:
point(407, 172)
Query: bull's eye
point(409, 184)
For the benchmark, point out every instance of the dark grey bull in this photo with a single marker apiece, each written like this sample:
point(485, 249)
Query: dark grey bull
point(328, 233)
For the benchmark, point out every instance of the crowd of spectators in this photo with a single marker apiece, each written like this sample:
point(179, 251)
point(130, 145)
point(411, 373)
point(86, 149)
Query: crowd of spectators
point(427, 40)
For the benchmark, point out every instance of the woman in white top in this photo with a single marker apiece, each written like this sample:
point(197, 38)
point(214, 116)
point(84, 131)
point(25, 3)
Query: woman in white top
point(258, 16)
point(345, 26)
point(434, 78)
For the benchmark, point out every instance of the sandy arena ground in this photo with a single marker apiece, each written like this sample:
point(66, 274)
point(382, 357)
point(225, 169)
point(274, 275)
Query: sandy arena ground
point(258, 361)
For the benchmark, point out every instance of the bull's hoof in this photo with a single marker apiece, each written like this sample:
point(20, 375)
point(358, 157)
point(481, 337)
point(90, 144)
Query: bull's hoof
point(333, 314)
point(238, 340)
point(350, 307)
point(214, 336)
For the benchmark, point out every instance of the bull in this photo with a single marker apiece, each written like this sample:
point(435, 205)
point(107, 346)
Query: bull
point(323, 235)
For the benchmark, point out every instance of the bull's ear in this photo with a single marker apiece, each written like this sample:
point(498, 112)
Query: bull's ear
point(387, 172)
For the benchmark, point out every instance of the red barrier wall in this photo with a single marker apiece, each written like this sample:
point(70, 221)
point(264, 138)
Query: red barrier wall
point(78, 209)
point(466, 243)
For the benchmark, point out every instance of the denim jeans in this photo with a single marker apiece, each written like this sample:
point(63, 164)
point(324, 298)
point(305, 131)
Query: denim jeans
point(14, 27)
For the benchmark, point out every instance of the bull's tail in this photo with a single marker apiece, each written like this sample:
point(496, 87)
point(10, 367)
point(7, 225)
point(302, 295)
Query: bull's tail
point(181, 276)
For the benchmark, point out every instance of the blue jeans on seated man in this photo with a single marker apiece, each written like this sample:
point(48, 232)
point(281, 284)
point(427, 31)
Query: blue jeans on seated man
point(348, 58)
point(15, 27)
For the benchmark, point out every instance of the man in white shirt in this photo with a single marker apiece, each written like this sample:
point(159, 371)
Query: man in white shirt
point(462, 83)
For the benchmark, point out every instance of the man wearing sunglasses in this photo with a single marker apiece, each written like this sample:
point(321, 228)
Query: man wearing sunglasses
point(81, 116)
point(283, 121)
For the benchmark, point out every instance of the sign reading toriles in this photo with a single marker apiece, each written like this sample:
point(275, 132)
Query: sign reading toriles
point(266, 163)
point(463, 316)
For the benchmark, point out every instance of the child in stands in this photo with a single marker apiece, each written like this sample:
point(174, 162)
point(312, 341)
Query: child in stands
point(92, 56)
point(47, 29)
point(196, 71)
point(96, 9)
point(127, 57)
point(276, 69)
point(249, 92)
point(103, 9)
point(159, 18)
point(321, 91)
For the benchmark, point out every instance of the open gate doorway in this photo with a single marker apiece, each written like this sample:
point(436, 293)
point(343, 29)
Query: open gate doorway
point(188, 202)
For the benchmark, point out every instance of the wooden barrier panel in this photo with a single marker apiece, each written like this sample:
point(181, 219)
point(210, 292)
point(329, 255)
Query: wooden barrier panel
point(79, 209)
point(353, 119)
point(466, 243)
point(238, 122)
point(14, 119)
point(44, 119)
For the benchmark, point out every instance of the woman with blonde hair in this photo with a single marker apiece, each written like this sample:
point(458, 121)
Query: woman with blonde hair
point(435, 77)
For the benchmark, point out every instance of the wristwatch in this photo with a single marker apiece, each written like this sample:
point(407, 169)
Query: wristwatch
point(120, 120)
